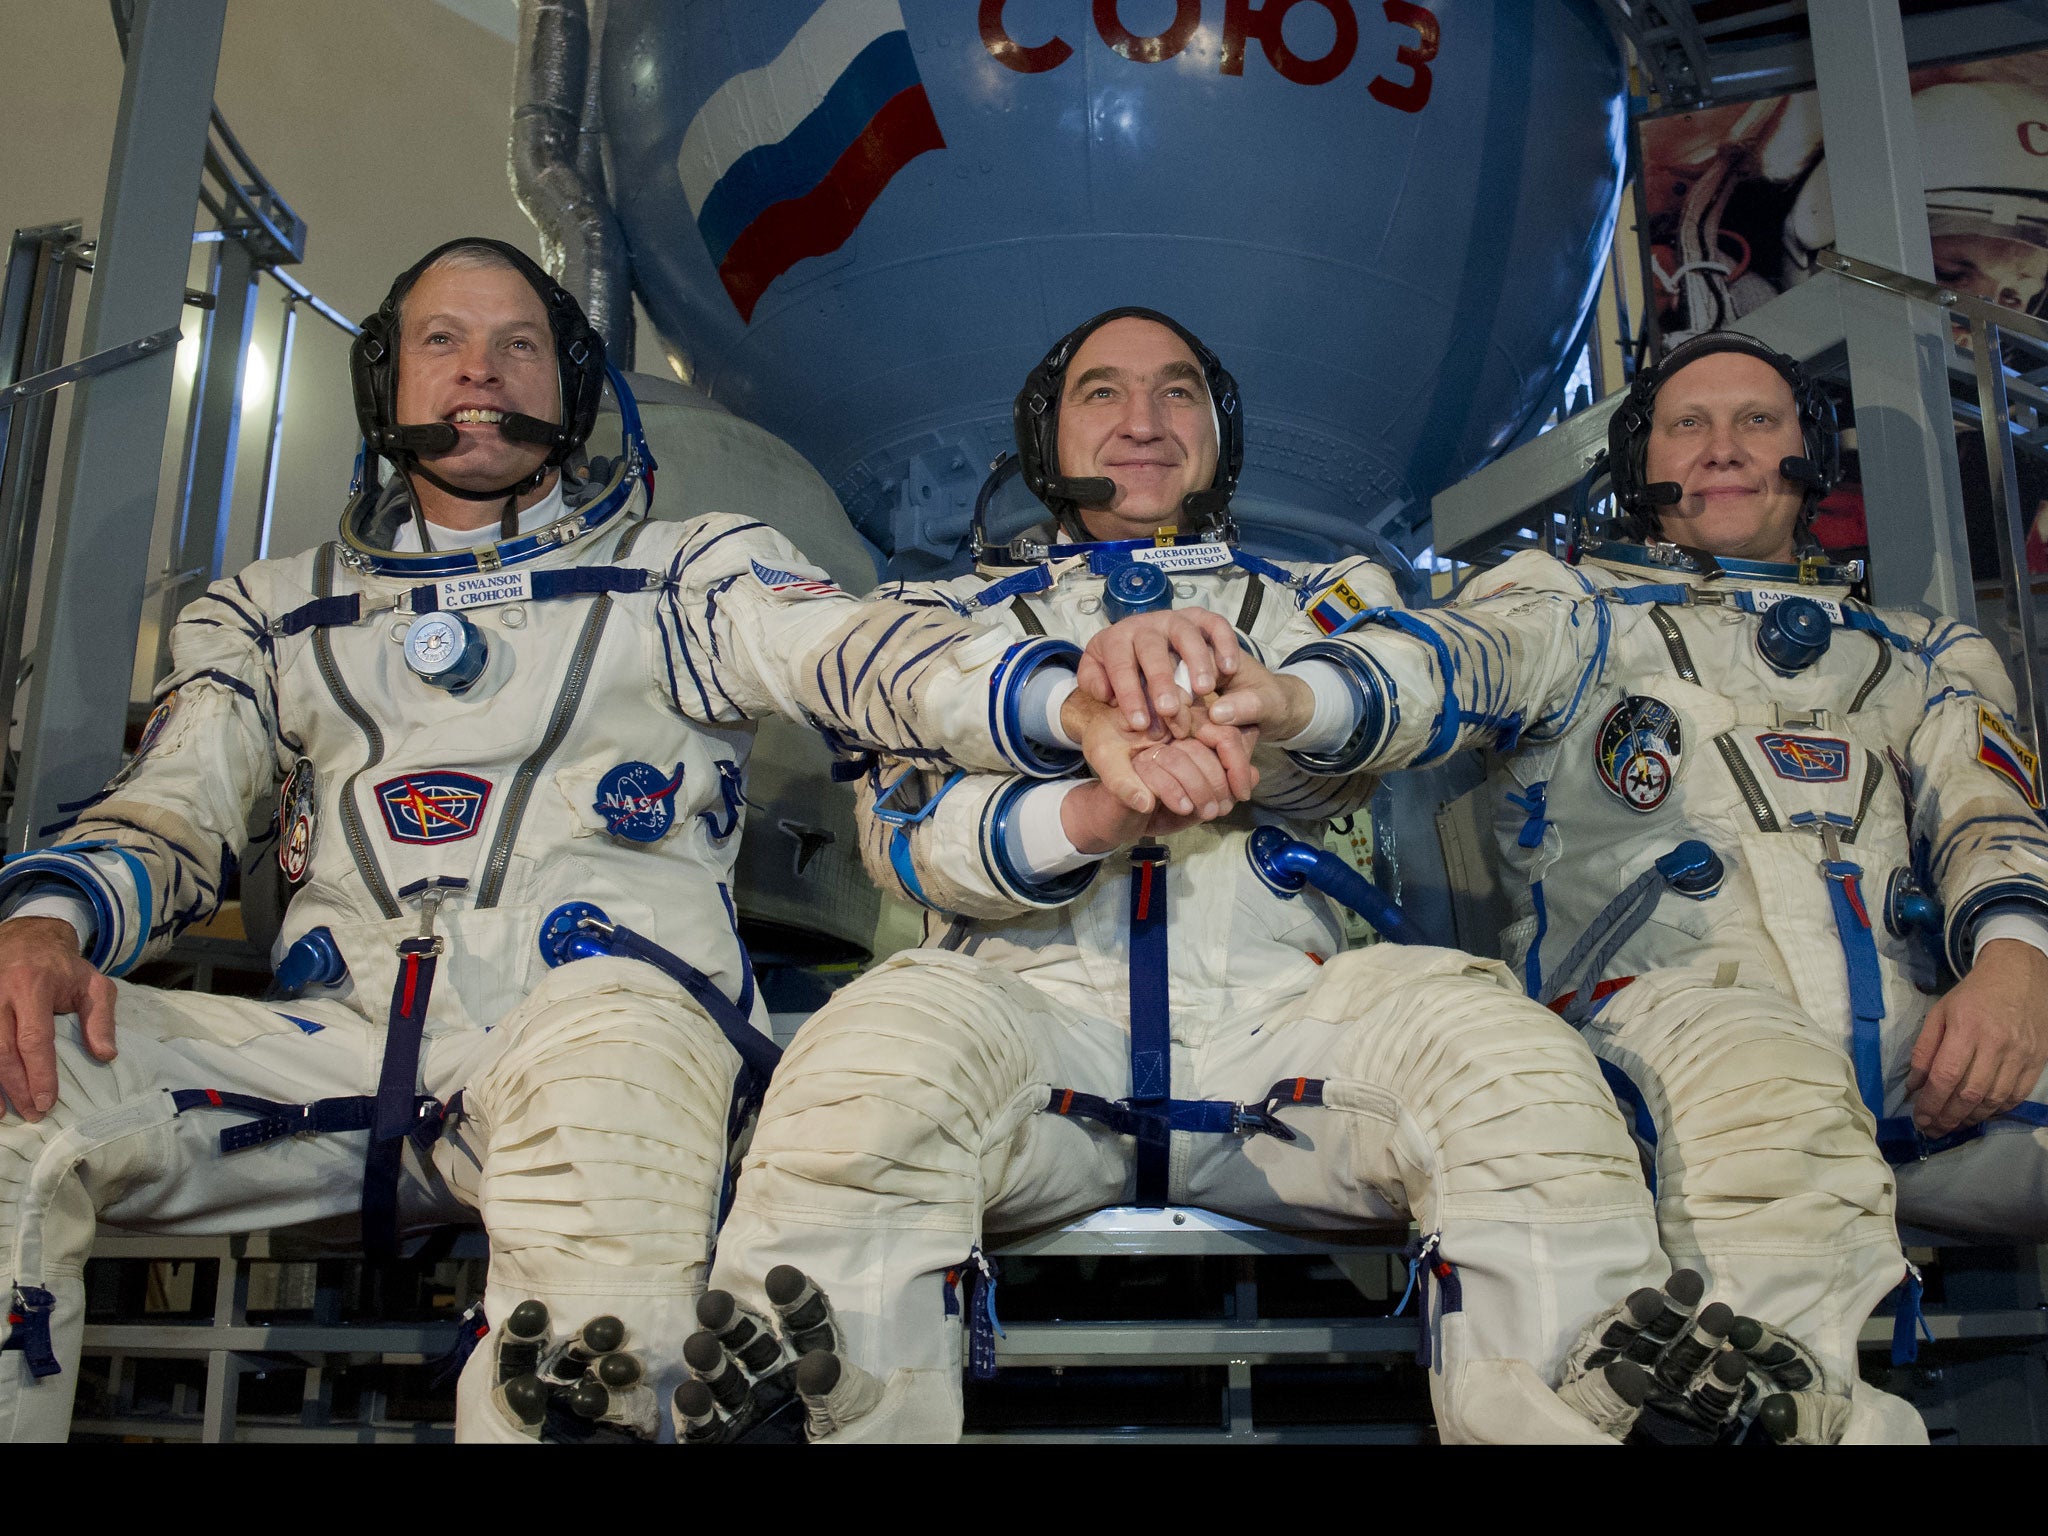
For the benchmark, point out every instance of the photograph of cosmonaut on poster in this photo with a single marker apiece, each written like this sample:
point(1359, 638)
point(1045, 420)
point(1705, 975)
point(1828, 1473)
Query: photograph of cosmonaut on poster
point(1736, 209)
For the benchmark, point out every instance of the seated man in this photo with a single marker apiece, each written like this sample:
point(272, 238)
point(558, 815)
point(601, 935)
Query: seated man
point(1119, 1007)
point(502, 688)
point(1745, 818)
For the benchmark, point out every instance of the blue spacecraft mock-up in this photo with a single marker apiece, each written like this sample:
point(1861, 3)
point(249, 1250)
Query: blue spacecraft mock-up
point(859, 222)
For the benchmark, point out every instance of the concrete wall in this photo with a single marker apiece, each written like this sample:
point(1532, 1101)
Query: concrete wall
point(383, 122)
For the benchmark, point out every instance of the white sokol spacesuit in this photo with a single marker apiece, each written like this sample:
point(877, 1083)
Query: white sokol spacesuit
point(967, 1087)
point(582, 1111)
point(1716, 862)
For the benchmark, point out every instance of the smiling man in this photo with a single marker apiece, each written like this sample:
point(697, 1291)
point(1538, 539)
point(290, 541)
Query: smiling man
point(1750, 827)
point(478, 353)
point(1120, 1008)
point(503, 701)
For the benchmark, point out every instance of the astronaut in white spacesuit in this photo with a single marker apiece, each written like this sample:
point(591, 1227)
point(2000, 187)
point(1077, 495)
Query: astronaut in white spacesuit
point(1746, 821)
point(1113, 1008)
point(501, 688)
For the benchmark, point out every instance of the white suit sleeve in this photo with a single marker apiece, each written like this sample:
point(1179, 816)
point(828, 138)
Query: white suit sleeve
point(749, 628)
point(1976, 789)
point(148, 854)
point(57, 902)
point(955, 844)
point(1517, 660)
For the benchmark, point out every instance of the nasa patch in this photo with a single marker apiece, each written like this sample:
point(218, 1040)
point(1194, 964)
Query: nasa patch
point(1637, 751)
point(797, 584)
point(438, 806)
point(638, 801)
point(1808, 759)
point(296, 807)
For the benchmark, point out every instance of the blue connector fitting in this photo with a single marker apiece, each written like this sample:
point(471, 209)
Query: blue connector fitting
point(1793, 635)
point(1908, 909)
point(314, 961)
point(1693, 869)
point(1286, 864)
point(1136, 587)
point(445, 651)
point(576, 930)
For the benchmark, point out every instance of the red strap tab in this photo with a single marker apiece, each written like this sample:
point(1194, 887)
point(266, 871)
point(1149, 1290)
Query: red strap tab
point(1607, 988)
point(412, 981)
point(1853, 889)
point(1144, 909)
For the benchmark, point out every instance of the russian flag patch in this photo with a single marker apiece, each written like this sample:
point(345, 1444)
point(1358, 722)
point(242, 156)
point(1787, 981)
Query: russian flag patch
point(1999, 749)
point(784, 161)
point(1336, 608)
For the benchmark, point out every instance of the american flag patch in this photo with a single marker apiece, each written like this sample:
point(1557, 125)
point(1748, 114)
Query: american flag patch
point(1999, 749)
point(1336, 608)
point(796, 583)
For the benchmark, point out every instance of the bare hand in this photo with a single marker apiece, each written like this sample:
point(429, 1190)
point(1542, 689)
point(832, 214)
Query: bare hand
point(1984, 1044)
point(41, 976)
point(1280, 705)
point(1146, 770)
point(1190, 779)
point(1131, 663)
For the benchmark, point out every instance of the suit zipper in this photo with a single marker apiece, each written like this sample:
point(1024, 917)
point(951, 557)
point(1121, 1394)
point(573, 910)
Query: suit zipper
point(558, 727)
point(373, 739)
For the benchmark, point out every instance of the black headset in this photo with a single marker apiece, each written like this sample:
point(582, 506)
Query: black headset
point(1037, 416)
point(1819, 469)
point(373, 372)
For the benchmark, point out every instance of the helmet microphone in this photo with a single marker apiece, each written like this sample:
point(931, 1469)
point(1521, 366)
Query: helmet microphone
point(436, 437)
point(427, 437)
point(517, 427)
point(1082, 491)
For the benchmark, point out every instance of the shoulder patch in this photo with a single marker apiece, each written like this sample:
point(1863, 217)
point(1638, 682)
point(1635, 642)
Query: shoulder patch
point(1336, 608)
point(1999, 748)
point(806, 583)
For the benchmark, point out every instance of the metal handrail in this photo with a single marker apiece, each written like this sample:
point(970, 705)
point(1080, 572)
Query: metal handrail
point(1988, 323)
point(301, 294)
point(1968, 305)
point(86, 367)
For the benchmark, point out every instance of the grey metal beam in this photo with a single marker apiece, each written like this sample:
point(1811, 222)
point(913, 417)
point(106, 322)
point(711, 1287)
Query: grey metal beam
point(1775, 67)
point(1805, 321)
point(206, 489)
point(99, 553)
point(1898, 350)
point(40, 278)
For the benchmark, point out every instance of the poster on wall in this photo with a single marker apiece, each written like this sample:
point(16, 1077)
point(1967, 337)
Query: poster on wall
point(1736, 208)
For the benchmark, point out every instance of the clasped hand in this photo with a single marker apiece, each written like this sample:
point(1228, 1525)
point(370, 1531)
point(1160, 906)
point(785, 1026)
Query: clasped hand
point(1167, 711)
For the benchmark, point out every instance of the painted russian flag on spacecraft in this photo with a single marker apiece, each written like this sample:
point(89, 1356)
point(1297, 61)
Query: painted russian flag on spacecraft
point(784, 161)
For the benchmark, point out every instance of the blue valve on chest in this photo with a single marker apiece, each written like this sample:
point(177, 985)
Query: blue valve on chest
point(1137, 587)
point(445, 651)
point(1793, 635)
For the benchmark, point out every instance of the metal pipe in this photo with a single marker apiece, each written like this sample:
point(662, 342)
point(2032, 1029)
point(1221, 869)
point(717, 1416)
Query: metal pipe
point(2012, 548)
point(580, 239)
point(314, 302)
point(268, 500)
point(1287, 864)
